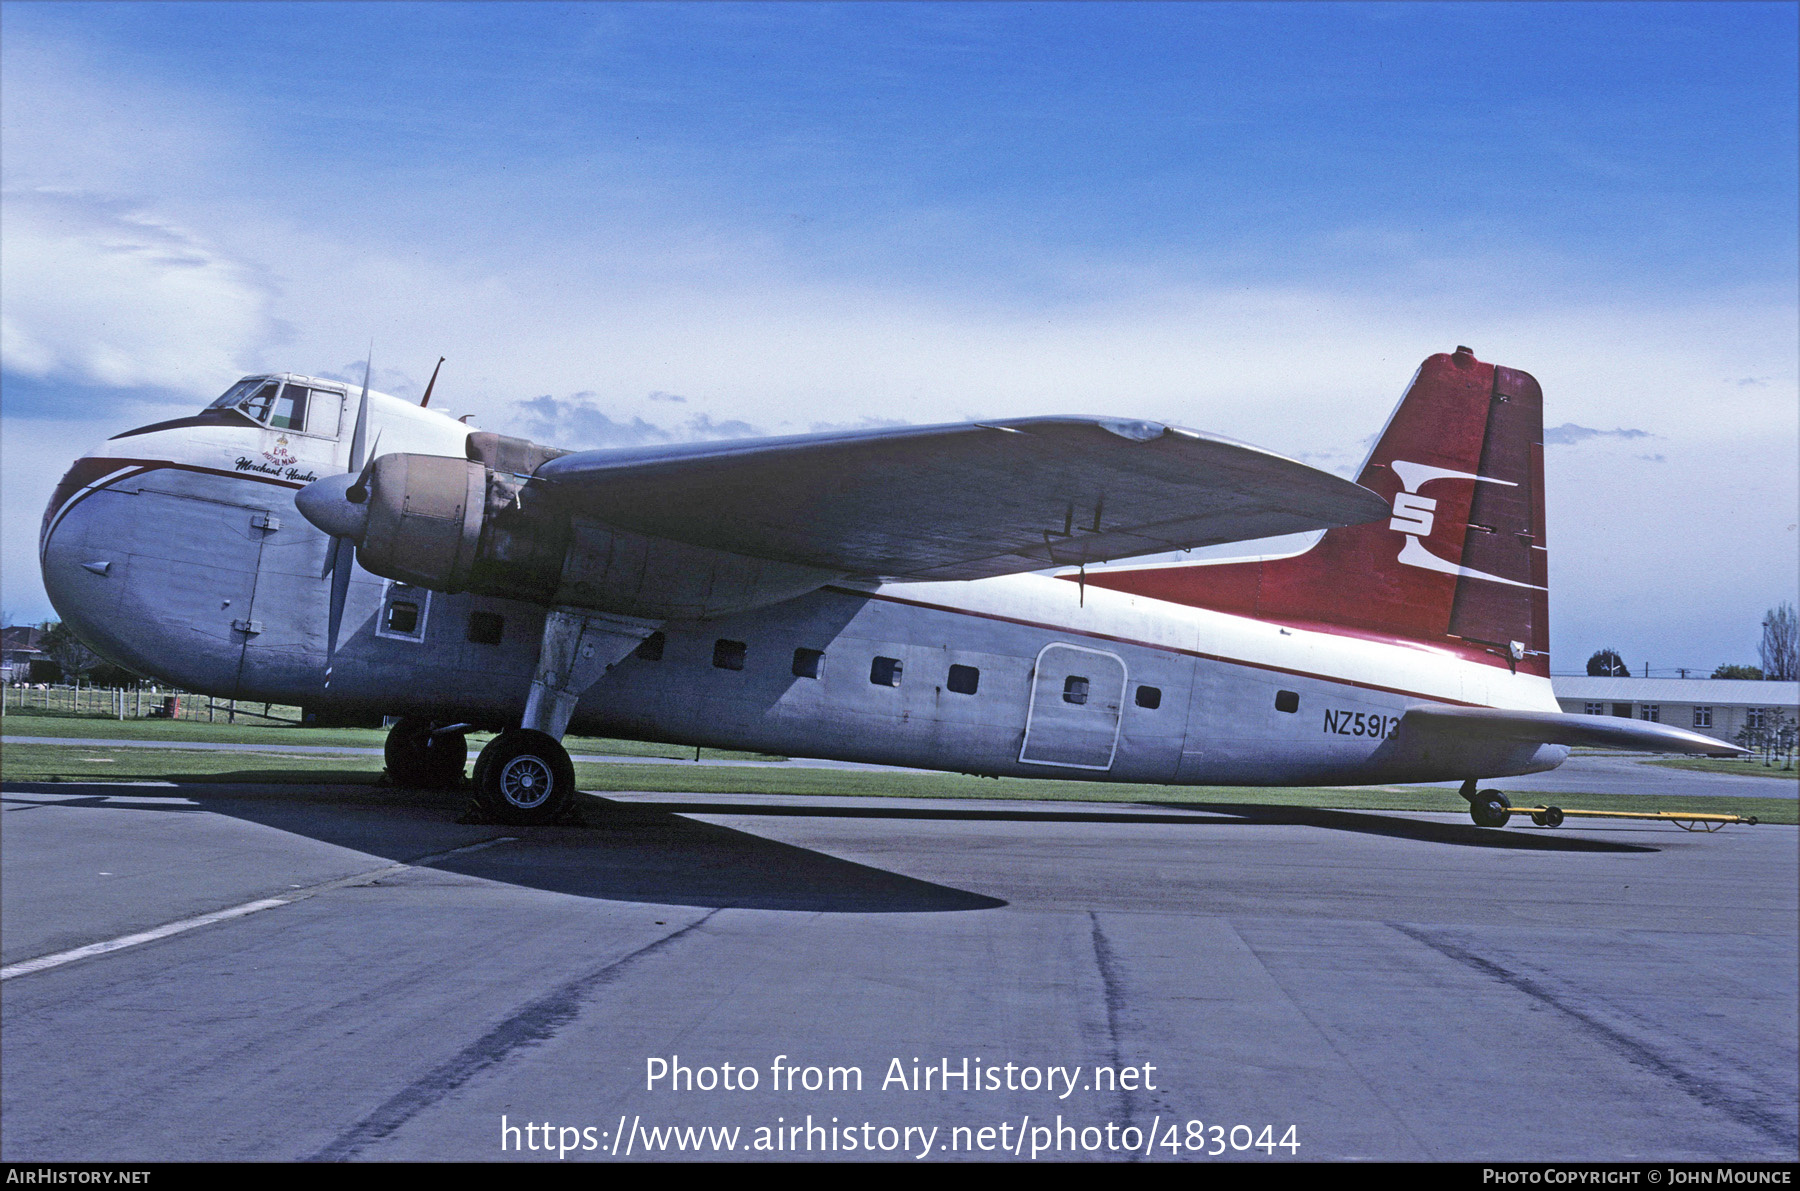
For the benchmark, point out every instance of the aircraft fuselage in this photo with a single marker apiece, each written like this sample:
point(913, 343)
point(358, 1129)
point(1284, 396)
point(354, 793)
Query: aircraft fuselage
point(178, 552)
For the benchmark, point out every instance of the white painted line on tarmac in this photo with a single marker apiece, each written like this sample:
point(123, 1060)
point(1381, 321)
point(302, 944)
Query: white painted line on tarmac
point(45, 962)
point(147, 936)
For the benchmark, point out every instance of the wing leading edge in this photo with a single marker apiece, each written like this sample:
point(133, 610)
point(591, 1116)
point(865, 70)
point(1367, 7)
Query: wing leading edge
point(1560, 727)
point(964, 501)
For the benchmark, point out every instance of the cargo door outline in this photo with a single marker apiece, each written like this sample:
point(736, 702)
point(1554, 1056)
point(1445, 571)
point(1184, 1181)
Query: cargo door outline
point(1074, 735)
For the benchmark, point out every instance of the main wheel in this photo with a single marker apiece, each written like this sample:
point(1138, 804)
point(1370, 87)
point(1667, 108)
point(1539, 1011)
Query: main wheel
point(417, 758)
point(1490, 809)
point(525, 777)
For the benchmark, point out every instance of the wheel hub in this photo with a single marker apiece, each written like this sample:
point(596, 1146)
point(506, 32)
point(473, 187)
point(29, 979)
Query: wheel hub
point(526, 782)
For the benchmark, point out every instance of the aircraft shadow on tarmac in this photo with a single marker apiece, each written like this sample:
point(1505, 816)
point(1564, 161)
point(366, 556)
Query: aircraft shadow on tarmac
point(1195, 814)
point(654, 852)
point(623, 852)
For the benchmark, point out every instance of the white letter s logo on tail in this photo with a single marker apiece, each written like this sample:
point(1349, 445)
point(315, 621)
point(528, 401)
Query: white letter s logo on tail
point(1414, 517)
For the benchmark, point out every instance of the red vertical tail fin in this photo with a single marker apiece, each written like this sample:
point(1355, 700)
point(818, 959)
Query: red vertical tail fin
point(1462, 560)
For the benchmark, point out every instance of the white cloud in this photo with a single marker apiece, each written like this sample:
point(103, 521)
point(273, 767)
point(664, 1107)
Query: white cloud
point(99, 291)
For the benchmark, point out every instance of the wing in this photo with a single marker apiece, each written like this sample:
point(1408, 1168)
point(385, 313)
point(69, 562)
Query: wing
point(962, 501)
point(1558, 727)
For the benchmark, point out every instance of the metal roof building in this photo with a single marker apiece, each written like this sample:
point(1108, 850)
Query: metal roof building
point(1721, 707)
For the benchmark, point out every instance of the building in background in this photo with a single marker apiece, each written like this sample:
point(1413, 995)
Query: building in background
point(18, 649)
point(1721, 707)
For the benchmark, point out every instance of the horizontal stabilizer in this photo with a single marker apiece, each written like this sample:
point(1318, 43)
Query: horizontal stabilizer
point(1558, 727)
point(958, 502)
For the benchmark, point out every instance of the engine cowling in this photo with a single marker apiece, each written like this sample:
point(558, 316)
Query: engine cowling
point(465, 525)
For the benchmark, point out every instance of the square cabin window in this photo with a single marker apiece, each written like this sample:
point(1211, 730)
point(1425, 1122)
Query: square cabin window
point(964, 680)
point(1149, 697)
point(1075, 689)
point(807, 661)
point(1288, 701)
point(404, 611)
point(402, 618)
point(728, 655)
point(885, 671)
point(486, 628)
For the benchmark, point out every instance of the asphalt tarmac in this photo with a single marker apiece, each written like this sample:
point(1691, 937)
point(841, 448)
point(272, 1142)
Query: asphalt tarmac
point(393, 984)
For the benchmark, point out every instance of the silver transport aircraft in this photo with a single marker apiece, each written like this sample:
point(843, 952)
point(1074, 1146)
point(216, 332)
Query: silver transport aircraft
point(918, 596)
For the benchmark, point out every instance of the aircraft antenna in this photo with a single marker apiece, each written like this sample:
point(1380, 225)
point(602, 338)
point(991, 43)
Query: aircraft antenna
point(426, 400)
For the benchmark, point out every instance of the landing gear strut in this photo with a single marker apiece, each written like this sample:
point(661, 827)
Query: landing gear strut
point(1489, 808)
point(421, 753)
point(524, 775)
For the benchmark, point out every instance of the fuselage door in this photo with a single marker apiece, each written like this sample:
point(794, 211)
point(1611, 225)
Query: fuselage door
point(1076, 697)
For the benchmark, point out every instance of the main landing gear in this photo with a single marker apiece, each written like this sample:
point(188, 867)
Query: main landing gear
point(524, 775)
point(426, 754)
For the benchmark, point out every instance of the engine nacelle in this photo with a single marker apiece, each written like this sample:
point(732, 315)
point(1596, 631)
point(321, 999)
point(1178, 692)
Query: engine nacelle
point(464, 525)
point(425, 518)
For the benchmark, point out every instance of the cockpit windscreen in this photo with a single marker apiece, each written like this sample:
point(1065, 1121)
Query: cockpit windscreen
point(283, 406)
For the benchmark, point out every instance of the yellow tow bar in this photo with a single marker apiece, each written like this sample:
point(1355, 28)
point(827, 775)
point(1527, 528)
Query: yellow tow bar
point(1552, 816)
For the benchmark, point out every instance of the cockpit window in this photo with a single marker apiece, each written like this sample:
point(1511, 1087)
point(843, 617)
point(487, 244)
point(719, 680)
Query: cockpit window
point(290, 409)
point(238, 392)
point(284, 406)
point(257, 404)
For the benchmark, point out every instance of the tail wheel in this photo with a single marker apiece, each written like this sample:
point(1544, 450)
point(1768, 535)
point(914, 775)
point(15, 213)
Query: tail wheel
point(1489, 808)
point(415, 757)
point(525, 777)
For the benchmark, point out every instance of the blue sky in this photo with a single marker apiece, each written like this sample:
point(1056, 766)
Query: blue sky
point(1254, 219)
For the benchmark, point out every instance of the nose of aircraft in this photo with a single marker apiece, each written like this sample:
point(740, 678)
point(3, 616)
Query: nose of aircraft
point(327, 504)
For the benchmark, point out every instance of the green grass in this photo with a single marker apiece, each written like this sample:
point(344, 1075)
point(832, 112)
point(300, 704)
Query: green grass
point(1721, 765)
point(33, 721)
point(76, 763)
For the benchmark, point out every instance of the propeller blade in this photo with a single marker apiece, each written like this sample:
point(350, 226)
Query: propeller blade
point(361, 434)
point(426, 400)
point(359, 491)
point(343, 552)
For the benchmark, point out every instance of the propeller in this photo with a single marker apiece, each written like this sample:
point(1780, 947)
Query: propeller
point(333, 505)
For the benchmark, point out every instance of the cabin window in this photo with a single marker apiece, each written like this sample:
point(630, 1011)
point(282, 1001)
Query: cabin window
point(1149, 697)
point(486, 628)
point(1702, 717)
point(404, 610)
point(964, 680)
point(651, 647)
point(885, 671)
point(1287, 701)
point(806, 662)
point(1075, 689)
point(403, 618)
point(728, 655)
